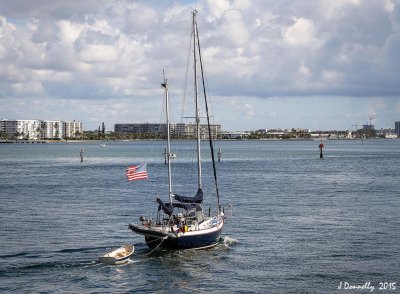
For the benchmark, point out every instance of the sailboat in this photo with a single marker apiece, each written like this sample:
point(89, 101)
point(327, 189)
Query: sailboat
point(182, 222)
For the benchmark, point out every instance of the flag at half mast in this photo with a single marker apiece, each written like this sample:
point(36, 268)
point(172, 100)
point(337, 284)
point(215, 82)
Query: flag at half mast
point(137, 172)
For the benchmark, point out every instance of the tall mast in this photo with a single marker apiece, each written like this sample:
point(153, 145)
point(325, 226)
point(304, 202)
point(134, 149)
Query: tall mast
point(197, 116)
point(168, 153)
point(208, 124)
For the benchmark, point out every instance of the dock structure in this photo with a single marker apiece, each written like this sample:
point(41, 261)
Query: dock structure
point(23, 141)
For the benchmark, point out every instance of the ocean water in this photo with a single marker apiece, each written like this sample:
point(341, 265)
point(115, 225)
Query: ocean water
point(295, 223)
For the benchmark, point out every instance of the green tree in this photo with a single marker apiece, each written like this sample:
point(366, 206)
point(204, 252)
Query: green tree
point(56, 126)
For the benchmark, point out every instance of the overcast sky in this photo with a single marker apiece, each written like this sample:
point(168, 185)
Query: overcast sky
point(317, 64)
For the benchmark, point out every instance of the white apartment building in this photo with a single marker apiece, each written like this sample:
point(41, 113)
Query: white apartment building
point(53, 129)
point(72, 129)
point(189, 130)
point(39, 129)
point(21, 129)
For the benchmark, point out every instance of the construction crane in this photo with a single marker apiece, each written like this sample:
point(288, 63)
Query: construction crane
point(356, 125)
point(372, 117)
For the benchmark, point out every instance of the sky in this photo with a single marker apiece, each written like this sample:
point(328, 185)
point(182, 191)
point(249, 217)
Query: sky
point(313, 64)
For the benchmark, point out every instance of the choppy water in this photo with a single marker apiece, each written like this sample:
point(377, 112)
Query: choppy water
point(300, 224)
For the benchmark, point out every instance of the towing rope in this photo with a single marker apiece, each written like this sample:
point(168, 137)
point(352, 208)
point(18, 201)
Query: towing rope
point(162, 240)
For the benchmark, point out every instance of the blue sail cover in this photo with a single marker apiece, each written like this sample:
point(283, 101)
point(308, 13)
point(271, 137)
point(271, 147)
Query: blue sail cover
point(198, 198)
point(168, 209)
point(186, 206)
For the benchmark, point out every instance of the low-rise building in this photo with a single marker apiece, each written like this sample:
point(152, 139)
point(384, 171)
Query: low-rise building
point(39, 129)
point(179, 129)
point(387, 133)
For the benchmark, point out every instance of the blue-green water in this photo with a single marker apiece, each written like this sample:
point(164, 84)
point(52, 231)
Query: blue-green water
point(299, 224)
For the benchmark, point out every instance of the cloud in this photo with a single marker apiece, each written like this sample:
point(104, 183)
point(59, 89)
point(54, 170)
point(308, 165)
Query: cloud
point(301, 33)
point(101, 50)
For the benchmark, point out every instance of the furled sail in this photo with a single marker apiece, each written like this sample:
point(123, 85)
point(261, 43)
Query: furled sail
point(167, 208)
point(198, 198)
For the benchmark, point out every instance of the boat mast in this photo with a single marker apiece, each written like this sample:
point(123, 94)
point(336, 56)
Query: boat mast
point(197, 116)
point(208, 123)
point(168, 153)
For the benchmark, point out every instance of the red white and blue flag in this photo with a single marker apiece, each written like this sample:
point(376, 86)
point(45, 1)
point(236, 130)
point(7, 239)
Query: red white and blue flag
point(137, 172)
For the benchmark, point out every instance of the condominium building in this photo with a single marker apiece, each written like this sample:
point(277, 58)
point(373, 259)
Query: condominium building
point(53, 129)
point(21, 129)
point(39, 129)
point(190, 130)
point(72, 129)
point(179, 129)
point(142, 128)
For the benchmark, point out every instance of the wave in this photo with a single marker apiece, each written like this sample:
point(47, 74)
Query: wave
point(83, 249)
point(13, 255)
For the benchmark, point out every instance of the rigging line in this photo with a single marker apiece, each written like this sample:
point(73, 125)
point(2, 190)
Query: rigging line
point(156, 142)
point(208, 118)
point(209, 96)
point(184, 99)
point(154, 150)
point(210, 194)
point(170, 115)
point(186, 76)
point(150, 153)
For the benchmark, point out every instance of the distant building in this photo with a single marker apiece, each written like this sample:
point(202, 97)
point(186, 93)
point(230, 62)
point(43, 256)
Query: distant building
point(21, 129)
point(53, 130)
point(189, 130)
point(142, 128)
point(72, 129)
point(38, 129)
point(368, 127)
point(179, 129)
point(397, 128)
point(387, 133)
point(234, 135)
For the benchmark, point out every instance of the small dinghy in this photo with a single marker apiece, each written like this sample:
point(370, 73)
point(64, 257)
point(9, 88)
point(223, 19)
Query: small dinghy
point(118, 256)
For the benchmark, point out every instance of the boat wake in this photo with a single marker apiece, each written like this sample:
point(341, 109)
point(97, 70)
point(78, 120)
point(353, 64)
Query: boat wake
point(45, 260)
point(228, 241)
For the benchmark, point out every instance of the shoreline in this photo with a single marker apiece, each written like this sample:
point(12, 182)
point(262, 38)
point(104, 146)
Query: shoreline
point(136, 140)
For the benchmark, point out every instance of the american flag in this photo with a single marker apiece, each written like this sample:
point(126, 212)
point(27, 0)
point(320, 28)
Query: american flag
point(137, 172)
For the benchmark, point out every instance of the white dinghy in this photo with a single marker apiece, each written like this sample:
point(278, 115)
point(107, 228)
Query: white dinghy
point(118, 256)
